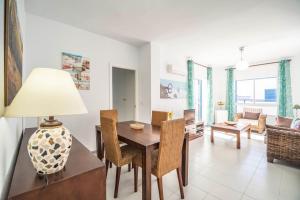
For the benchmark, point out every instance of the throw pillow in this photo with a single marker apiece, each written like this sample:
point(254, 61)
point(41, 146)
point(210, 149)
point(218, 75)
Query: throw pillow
point(251, 115)
point(296, 124)
point(284, 122)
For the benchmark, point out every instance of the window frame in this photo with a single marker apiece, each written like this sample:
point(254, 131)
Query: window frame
point(269, 104)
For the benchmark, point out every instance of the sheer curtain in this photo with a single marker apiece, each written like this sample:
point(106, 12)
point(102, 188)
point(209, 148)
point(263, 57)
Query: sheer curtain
point(230, 94)
point(285, 107)
point(210, 109)
point(190, 83)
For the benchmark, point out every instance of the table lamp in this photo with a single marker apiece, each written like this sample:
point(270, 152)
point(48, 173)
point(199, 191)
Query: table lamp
point(48, 92)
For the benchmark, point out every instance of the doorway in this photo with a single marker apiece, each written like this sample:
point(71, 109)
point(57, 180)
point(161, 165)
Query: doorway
point(123, 93)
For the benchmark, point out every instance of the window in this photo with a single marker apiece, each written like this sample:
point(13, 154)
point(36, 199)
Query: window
point(256, 91)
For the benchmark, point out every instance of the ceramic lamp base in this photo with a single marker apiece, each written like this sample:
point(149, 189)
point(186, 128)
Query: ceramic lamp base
point(49, 148)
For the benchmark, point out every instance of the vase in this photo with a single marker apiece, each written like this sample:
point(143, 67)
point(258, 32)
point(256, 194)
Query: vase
point(49, 149)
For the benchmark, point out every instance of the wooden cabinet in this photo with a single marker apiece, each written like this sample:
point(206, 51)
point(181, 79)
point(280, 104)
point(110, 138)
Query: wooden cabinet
point(83, 178)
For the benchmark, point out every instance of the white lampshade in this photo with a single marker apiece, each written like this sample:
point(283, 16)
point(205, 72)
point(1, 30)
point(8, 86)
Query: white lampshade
point(47, 92)
point(242, 65)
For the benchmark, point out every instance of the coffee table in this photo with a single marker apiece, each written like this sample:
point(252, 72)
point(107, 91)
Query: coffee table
point(236, 129)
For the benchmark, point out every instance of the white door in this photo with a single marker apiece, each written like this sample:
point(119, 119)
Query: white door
point(123, 95)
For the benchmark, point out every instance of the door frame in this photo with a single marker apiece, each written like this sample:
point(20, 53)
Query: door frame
point(110, 96)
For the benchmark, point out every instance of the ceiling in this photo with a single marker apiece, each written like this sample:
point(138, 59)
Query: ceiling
point(210, 31)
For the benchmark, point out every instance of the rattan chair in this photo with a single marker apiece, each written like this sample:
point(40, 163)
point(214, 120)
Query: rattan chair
point(158, 117)
point(119, 156)
point(283, 144)
point(111, 114)
point(168, 157)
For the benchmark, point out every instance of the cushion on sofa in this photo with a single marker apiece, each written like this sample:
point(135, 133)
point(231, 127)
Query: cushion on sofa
point(251, 115)
point(249, 121)
point(284, 122)
point(296, 124)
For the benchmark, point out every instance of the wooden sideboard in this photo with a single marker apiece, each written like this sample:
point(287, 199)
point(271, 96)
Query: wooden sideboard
point(83, 177)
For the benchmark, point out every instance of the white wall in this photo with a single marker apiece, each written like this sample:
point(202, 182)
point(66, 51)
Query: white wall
point(46, 41)
point(10, 129)
point(144, 86)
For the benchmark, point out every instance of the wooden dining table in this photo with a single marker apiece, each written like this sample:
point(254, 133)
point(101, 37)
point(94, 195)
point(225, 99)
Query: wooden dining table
point(146, 140)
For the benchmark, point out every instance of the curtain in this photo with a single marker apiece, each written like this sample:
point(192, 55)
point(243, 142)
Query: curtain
point(190, 84)
point(230, 94)
point(210, 111)
point(285, 107)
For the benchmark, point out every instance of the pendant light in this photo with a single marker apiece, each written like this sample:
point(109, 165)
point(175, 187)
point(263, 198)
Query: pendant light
point(242, 64)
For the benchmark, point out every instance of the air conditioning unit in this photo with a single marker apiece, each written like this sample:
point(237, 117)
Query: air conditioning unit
point(177, 71)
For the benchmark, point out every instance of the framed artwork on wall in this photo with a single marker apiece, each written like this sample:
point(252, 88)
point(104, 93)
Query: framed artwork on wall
point(170, 89)
point(13, 52)
point(79, 69)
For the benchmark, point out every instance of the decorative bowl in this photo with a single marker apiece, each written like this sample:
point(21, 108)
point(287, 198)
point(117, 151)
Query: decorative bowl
point(230, 123)
point(137, 126)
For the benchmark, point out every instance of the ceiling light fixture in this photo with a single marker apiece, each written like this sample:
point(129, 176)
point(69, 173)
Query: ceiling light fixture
point(242, 64)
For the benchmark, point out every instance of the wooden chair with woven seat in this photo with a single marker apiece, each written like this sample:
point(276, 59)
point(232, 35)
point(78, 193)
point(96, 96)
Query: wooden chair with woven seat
point(111, 114)
point(118, 155)
point(158, 117)
point(168, 157)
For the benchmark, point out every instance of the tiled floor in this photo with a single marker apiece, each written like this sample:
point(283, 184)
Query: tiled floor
point(220, 171)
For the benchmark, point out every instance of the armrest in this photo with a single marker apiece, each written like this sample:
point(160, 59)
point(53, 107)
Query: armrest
point(262, 121)
point(238, 116)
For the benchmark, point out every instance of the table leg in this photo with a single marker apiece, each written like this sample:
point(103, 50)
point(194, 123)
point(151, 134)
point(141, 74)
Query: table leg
point(249, 133)
point(100, 146)
point(212, 135)
point(238, 141)
point(185, 160)
point(146, 174)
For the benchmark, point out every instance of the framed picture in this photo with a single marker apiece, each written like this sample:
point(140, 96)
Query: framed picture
point(13, 52)
point(170, 89)
point(79, 69)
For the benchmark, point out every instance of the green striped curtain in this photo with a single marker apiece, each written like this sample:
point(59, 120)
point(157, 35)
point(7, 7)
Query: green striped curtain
point(285, 107)
point(230, 94)
point(210, 110)
point(190, 84)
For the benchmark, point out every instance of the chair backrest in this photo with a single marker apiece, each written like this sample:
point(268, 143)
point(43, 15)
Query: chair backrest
point(170, 147)
point(158, 117)
point(110, 139)
point(252, 109)
point(111, 114)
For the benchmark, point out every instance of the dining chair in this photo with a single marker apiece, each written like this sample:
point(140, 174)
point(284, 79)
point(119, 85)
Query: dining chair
point(118, 155)
point(168, 156)
point(158, 117)
point(111, 114)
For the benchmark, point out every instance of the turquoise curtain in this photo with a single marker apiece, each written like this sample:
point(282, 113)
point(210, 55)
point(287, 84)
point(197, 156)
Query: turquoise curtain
point(190, 84)
point(210, 110)
point(230, 94)
point(285, 107)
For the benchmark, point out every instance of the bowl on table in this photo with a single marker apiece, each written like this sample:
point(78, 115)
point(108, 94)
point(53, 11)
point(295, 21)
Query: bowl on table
point(231, 123)
point(137, 126)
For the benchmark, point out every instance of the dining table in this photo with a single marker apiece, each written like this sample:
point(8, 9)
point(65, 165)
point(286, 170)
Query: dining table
point(146, 140)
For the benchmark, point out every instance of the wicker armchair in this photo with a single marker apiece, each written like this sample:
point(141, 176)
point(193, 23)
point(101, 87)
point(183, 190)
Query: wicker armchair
point(168, 157)
point(256, 125)
point(119, 156)
point(283, 144)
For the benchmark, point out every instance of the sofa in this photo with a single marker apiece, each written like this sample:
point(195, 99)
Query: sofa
point(253, 116)
point(283, 143)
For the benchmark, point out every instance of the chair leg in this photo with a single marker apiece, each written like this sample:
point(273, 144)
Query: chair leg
point(106, 166)
point(129, 167)
point(160, 188)
point(136, 174)
point(118, 173)
point(110, 164)
point(179, 175)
